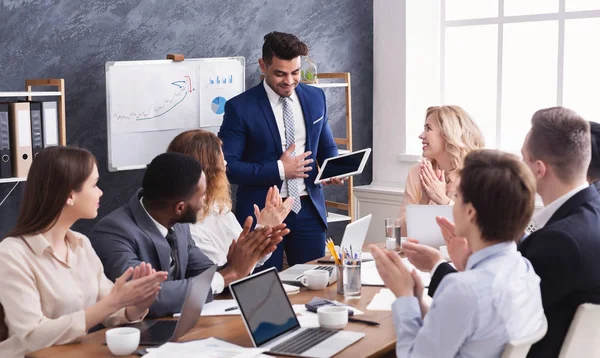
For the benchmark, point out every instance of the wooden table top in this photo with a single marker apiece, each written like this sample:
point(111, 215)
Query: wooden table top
point(379, 340)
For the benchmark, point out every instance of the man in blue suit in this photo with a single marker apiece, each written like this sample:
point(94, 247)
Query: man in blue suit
point(274, 134)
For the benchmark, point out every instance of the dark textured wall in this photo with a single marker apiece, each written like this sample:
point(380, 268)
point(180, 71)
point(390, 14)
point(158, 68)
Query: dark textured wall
point(73, 40)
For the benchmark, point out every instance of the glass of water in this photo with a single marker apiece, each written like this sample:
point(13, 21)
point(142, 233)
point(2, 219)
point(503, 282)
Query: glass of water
point(351, 275)
point(392, 233)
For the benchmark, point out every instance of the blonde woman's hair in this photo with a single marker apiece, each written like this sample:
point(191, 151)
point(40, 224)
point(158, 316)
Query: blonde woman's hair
point(206, 148)
point(459, 130)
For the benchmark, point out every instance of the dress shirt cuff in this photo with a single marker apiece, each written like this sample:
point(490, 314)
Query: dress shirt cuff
point(78, 325)
point(451, 202)
point(406, 306)
point(281, 170)
point(263, 259)
point(217, 284)
point(120, 317)
point(437, 264)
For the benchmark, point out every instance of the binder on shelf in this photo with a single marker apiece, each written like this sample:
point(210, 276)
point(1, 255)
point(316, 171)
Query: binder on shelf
point(20, 138)
point(5, 157)
point(37, 143)
point(49, 123)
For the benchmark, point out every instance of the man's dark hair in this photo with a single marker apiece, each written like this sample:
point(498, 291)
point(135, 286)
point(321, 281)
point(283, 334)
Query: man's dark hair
point(593, 173)
point(561, 138)
point(282, 45)
point(171, 177)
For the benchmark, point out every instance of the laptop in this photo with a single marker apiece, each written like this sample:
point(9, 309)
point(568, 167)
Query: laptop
point(272, 324)
point(354, 234)
point(421, 224)
point(157, 332)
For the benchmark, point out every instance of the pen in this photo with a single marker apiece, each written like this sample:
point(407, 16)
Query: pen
point(357, 320)
point(231, 308)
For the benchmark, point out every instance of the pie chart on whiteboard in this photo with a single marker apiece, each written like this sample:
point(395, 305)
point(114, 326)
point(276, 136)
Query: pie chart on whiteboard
point(218, 105)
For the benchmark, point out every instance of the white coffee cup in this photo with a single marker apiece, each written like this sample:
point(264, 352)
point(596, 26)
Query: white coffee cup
point(315, 279)
point(122, 341)
point(332, 317)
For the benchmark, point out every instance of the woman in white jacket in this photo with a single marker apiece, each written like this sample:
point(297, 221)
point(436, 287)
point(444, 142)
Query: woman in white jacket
point(217, 227)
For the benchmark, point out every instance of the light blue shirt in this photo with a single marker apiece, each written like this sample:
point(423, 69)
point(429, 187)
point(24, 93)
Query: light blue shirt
point(476, 312)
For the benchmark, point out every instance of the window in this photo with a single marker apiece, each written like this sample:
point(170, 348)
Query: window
point(501, 60)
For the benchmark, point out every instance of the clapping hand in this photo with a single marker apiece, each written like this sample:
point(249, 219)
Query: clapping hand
point(434, 185)
point(251, 246)
point(458, 247)
point(393, 272)
point(275, 210)
point(423, 257)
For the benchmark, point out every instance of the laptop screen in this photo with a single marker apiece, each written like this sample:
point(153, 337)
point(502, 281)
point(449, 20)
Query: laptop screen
point(265, 306)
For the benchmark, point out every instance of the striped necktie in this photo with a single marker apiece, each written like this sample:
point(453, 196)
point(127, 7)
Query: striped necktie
point(290, 138)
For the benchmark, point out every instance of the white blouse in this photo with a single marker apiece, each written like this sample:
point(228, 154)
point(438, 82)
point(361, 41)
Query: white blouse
point(215, 233)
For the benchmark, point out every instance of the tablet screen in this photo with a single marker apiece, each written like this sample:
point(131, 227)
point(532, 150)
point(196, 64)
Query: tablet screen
point(342, 165)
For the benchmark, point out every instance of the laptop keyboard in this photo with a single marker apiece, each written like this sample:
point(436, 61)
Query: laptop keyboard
point(160, 332)
point(303, 341)
point(321, 267)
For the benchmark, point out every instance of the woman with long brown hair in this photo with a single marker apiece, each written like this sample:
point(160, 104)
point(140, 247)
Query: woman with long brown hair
point(54, 288)
point(217, 227)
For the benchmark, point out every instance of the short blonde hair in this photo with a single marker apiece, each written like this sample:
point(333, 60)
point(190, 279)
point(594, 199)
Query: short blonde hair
point(459, 130)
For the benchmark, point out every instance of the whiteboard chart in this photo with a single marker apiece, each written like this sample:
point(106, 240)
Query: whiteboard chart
point(150, 102)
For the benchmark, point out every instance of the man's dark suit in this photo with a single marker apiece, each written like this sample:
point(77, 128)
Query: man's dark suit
point(565, 253)
point(128, 236)
point(252, 146)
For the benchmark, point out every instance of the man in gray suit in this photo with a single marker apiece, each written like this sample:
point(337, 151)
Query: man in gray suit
point(152, 228)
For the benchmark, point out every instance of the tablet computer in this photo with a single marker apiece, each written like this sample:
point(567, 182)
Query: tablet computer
point(344, 165)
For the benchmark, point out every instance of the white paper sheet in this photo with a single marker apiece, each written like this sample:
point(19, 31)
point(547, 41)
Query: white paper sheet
point(301, 310)
point(217, 308)
point(370, 277)
point(210, 348)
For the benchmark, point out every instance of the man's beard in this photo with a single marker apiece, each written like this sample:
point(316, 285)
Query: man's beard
point(189, 216)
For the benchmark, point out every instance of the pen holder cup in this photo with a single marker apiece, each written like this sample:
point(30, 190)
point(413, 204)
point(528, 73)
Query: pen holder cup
point(339, 270)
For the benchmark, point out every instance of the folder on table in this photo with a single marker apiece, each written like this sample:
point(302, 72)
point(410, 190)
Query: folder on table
point(37, 143)
point(5, 157)
point(20, 138)
point(49, 123)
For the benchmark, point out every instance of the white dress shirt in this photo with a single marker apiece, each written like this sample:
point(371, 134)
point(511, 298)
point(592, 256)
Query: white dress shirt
point(215, 233)
point(541, 218)
point(217, 284)
point(300, 133)
point(474, 313)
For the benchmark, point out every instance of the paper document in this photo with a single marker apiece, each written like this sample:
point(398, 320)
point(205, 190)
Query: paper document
point(302, 310)
point(218, 308)
point(382, 301)
point(370, 277)
point(290, 289)
point(210, 348)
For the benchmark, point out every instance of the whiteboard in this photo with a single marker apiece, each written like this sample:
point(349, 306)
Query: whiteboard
point(148, 103)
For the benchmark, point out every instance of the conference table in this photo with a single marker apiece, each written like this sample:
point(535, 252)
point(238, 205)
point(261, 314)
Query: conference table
point(379, 341)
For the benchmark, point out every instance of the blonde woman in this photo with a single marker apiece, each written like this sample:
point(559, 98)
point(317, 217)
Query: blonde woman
point(449, 134)
point(217, 227)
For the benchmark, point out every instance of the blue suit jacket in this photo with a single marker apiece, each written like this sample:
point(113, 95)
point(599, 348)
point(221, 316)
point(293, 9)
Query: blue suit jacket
point(128, 236)
point(252, 145)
